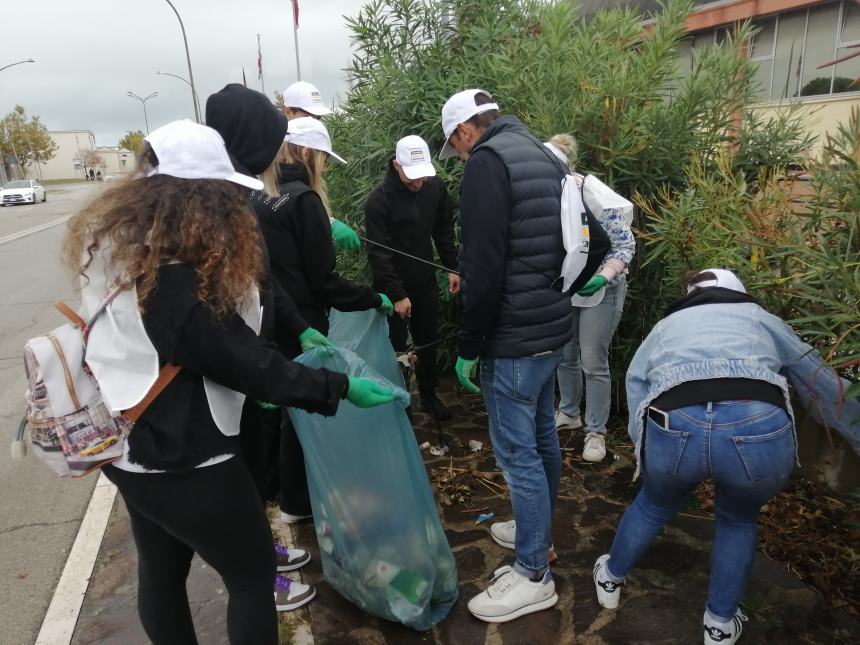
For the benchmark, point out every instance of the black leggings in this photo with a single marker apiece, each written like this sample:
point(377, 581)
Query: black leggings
point(215, 512)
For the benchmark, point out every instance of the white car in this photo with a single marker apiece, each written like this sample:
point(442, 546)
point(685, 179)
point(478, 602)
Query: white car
point(23, 191)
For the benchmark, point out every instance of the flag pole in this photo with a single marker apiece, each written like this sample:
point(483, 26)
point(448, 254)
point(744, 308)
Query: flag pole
point(296, 37)
point(260, 64)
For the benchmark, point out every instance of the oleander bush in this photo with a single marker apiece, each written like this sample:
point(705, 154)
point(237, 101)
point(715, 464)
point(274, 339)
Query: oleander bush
point(716, 184)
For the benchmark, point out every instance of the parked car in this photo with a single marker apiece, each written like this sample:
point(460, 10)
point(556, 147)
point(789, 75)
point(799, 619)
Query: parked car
point(23, 191)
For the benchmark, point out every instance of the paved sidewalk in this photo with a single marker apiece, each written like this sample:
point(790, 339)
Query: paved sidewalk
point(662, 603)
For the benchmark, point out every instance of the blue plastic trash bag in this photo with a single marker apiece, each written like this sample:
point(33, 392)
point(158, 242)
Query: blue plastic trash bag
point(381, 543)
point(366, 334)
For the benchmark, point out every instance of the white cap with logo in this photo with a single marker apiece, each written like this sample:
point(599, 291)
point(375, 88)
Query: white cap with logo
point(458, 109)
point(192, 151)
point(413, 155)
point(722, 278)
point(307, 132)
point(305, 96)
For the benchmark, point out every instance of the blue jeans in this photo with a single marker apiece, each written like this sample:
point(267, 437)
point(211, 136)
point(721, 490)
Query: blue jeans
point(519, 394)
point(588, 353)
point(747, 448)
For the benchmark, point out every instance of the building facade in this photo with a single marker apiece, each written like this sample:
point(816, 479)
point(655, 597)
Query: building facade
point(76, 153)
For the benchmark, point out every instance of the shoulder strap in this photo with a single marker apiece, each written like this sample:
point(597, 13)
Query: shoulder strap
point(165, 376)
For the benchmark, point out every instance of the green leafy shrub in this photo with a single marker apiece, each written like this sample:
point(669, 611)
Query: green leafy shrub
point(607, 80)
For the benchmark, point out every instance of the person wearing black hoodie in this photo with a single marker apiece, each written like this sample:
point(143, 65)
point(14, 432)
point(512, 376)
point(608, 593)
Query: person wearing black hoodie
point(408, 211)
point(298, 236)
point(253, 130)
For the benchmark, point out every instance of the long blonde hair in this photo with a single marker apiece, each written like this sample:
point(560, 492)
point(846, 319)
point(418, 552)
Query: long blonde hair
point(315, 165)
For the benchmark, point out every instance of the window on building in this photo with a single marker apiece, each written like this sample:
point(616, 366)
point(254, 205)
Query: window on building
point(761, 49)
point(788, 49)
point(788, 55)
point(122, 163)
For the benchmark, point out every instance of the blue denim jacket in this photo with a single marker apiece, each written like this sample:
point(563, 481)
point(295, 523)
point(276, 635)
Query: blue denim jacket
point(738, 340)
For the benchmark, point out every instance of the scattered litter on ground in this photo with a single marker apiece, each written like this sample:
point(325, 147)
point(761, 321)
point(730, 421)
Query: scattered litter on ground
point(425, 445)
point(439, 451)
point(484, 517)
point(475, 446)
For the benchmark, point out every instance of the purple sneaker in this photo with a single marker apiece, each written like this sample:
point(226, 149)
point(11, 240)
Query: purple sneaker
point(290, 594)
point(291, 559)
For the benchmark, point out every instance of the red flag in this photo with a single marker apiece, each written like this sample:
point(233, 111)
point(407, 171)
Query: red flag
point(244, 80)
point(259, 59)
point(296, 13)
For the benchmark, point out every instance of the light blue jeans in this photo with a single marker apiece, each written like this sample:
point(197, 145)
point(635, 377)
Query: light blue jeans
point(747, 448)
point(519, 394)
point(588, 353)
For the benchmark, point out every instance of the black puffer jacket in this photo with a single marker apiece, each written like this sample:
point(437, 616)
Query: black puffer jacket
point(297, 232)
point(408, 221)
point(512, 249)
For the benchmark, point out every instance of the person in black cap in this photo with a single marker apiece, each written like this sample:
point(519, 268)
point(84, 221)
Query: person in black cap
point(408, 211)
point(253, 130)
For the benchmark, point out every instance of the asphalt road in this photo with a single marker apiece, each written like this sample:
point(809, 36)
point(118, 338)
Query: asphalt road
point(39, 513)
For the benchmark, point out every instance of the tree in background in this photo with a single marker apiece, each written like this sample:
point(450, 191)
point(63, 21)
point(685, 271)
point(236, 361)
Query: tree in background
point(28, 139)
point(132, 141)
point(607, 80)
point(90, 159)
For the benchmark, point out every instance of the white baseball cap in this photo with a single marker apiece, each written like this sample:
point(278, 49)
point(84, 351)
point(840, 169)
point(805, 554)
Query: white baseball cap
point(307, 132)
point(722, 278)
point(305, 96)
point(413, 155)
point(459, 109)
point(189, 150)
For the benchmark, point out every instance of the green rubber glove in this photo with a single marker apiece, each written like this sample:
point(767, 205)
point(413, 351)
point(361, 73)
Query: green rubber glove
point(310, 338)
point(344, 236)
point(268, 406)
point(593, 286)
point(386, 307)
point(364, 393)
point(466, 369)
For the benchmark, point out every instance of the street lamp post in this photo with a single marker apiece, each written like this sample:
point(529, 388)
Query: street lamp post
point(3, 177)
point(20, 62)
point(143, 102)
point(193, 91)
point(187, 58)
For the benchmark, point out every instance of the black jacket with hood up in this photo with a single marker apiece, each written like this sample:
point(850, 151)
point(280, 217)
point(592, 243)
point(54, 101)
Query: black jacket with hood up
point(410, 222)
point(253, 130)
point(297, 231)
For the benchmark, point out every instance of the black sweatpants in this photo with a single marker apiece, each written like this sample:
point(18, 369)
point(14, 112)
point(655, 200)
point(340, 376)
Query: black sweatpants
point(215, 512)
point(260, 438)
point(295, 498)
point(422, 324)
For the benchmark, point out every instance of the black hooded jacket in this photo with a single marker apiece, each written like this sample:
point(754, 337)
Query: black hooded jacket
point(297, 231)
point(410, 222)
point(253, 130)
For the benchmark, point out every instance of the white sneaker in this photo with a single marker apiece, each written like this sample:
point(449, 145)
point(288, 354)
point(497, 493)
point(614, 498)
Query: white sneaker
point(566, 422)
point(504, 533)
point(512, 595)
point(595, 447)
point(286, 518)
point(724, 633)
point(608, 592)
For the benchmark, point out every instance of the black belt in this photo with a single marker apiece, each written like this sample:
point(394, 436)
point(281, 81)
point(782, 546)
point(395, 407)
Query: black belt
point(719, 389)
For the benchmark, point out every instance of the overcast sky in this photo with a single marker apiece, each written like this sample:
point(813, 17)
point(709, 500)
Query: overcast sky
point(90, 53)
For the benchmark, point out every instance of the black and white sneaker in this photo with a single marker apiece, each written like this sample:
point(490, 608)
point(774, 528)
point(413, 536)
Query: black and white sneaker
point(608, 591)
point(717, 633)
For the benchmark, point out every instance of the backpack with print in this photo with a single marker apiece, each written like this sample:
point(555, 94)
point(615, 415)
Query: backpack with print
point(71, 428)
